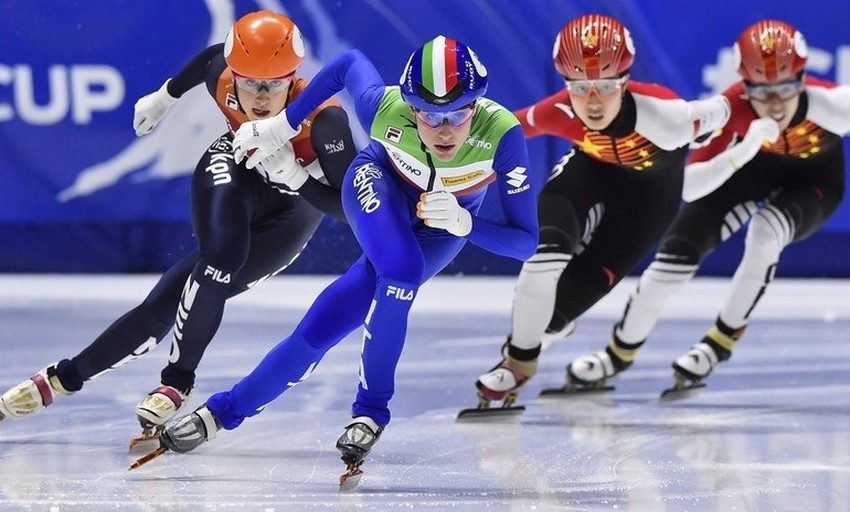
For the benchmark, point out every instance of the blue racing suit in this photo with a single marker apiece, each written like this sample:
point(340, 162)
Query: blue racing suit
point(380, 193)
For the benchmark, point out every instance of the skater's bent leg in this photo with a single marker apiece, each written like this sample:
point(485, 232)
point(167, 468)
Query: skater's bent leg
point(383, 339)
point(134, 333)
point(264, 253)
point(385, 232)
point(769, 232)
point(534, 297)
point(286, 365)
point(338, 310)
point(537, 284)
point(674, 265)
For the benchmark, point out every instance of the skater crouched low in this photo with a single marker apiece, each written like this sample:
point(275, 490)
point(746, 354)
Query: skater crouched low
point(782, 180)
point(630, 141)
point(412, 204)
point(249, 225)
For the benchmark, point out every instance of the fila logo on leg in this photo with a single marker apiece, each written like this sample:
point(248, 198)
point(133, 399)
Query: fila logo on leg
point(217, 275)
point(399, 293)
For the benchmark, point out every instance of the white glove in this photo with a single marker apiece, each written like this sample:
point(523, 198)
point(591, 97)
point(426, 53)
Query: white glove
point(441, 210)
point(763, 129)
point(710, 114)
point(149, 110)
point(282, 169)
point(703, 178)
point(264, 137)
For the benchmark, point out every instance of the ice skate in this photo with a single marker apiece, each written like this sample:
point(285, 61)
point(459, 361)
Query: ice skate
point(185, 434)
point(501, 384)
point(589, 373)
point(355, 443)
point(32, 395)
point(155, 410)
point(690, 369)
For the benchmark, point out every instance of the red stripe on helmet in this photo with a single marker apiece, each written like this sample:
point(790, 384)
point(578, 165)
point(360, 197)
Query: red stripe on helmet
point(450, 56)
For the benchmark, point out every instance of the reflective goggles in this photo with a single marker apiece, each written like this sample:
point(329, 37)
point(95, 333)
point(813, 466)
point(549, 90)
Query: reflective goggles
point(783, 90)
point(254, 85)
point(455, 118)
point(602, 86)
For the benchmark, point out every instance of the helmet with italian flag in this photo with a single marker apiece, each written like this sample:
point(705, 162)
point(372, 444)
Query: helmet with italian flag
point(442, 76)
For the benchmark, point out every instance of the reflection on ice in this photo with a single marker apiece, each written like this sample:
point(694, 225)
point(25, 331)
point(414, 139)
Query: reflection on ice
point(770, 432)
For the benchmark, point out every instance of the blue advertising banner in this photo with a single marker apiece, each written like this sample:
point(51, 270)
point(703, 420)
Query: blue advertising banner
point(80, 193)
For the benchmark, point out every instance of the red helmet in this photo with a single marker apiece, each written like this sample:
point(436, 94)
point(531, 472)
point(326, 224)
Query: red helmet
point(770, 51)
point(593, 46)
point(264, 44)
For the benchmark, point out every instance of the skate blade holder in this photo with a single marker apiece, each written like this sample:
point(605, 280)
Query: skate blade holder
point(575, 389)
point(144, 441)
point(490, 413)
point(484, 411)
point(680, 391)
point(351, 478)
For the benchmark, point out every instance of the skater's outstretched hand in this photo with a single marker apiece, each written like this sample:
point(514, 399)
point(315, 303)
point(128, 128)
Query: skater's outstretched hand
point(149, 110)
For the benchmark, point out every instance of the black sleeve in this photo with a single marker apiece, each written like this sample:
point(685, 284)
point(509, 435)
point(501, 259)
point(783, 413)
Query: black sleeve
point(334, 145)
point(195, 72)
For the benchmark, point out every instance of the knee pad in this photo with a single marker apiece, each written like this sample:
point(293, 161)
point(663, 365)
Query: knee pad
point(770, 231)
point(680, 251)
point(554, 239)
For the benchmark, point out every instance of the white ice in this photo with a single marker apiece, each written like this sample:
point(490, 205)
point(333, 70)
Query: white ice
point(771, 432)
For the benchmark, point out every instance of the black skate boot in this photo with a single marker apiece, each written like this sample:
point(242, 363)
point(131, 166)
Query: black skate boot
point(185, 434)
point(355, 443)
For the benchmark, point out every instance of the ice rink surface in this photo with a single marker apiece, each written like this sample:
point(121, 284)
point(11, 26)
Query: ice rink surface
point(771, 432)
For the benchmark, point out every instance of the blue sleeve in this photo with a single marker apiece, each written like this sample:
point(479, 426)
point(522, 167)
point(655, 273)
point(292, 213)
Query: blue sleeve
point(516, 236)
point(351, 70)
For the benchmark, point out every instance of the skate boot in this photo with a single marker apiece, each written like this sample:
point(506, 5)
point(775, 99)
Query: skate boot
point(156, 409)
point(185, 434)
point(33, 394)
point(191, 431)
point(591, 372)
point(504, 382)
point(692, 368)
point(700, 361)
point(355, 443)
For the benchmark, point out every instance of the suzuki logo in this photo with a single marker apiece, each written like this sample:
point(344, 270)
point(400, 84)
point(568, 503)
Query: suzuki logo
point(517, 177)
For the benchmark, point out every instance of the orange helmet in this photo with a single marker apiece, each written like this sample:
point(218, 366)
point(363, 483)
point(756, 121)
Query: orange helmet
point(770, 51)
point(264, 44)
point(593, 46)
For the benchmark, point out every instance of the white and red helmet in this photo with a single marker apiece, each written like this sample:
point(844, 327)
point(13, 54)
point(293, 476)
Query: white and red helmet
point(593, 46)
point(770, 51)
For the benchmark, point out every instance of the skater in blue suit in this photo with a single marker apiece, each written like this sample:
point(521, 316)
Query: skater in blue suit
point(412, 198)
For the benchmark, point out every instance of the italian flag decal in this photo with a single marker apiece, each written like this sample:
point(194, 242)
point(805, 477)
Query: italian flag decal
point(439, 65)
